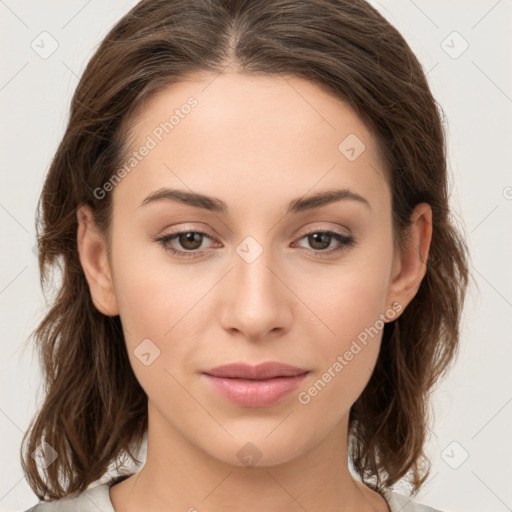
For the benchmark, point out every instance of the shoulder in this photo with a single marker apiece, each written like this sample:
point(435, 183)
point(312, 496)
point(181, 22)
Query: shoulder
point(401, 503)
point(98, 498)
point(90, 500)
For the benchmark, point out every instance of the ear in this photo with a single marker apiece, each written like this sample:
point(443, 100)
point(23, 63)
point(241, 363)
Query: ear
point(410, 264)
point(92, 251)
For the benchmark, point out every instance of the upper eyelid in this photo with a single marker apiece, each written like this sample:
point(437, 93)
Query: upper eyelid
point(325, 230)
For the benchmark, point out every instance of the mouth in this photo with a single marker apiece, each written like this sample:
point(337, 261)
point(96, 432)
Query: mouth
point(255, 386)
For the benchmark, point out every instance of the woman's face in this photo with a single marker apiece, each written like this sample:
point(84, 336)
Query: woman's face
point(252, 282)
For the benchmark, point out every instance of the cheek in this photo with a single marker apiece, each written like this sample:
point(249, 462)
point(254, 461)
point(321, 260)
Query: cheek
point(156, 314)
point(152, 293)
point(346, 353)
point(347, 334)
point(347, 304)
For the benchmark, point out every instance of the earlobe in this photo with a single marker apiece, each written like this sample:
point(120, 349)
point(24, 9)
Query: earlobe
point(92, 251)
point(412, 261)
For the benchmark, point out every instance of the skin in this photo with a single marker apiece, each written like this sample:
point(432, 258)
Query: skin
point(256, 143)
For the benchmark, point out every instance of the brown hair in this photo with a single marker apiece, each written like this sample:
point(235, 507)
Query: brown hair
point(94, 409)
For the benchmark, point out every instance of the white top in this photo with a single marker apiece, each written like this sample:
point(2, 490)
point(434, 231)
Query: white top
point(97, 499)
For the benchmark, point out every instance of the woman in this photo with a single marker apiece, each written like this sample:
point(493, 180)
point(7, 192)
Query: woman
point(260, 275)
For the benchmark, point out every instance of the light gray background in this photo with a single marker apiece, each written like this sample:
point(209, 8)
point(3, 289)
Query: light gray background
point(474, 404)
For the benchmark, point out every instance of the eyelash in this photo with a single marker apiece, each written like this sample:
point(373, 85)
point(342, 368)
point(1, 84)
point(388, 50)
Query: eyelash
point(347, 241)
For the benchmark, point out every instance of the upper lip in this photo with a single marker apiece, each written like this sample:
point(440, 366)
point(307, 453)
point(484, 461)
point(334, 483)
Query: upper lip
point(267, 370)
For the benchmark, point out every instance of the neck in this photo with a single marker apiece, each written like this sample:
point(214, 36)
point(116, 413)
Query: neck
point(178, 476)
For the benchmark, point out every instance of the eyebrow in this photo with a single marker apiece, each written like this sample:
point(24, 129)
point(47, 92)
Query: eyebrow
point(216, 205)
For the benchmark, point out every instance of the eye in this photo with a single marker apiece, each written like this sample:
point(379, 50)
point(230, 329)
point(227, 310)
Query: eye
point(319, 241)
point(190, 241)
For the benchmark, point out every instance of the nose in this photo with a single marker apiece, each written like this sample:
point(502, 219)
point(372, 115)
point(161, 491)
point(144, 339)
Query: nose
point(256, 301)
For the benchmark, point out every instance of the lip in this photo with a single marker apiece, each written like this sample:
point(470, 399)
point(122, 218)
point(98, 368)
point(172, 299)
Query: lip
point(255, 386)
point(267, 370)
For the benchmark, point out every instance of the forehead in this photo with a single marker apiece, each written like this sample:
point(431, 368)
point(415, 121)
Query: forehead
point(272, 134)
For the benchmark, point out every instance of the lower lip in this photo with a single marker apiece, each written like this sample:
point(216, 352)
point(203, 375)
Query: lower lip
point(255, 393)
